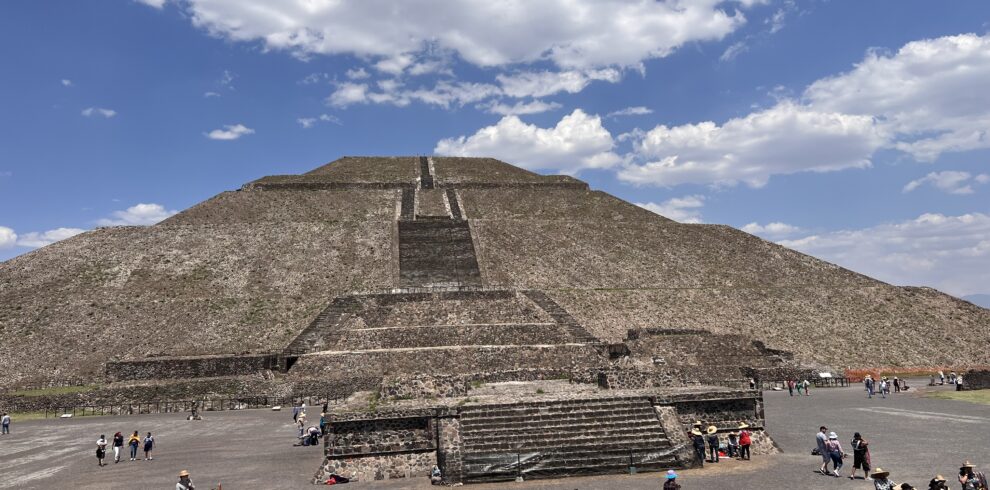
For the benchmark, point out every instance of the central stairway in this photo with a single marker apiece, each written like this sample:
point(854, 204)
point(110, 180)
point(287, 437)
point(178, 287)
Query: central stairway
point(437, 252)
point(550, 439)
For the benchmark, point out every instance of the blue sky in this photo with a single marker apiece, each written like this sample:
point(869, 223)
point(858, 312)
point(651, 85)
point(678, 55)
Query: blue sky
point(854, 131)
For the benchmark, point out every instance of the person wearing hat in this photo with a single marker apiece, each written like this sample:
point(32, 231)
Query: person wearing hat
point(732, 447)
point(713, 444)
point(834, 448)
point(880, 481)
point(698, 441)
point(938, 483)
point(969, 479)
point(184, 482)
point(745, 440)
point(671, 483)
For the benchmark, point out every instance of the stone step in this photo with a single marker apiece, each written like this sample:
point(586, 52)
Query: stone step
point(573, 415)
point(583, 427)
point(560, 403)
point(555, 407)
point(557, 445)
point(438, 335)
point(629, 436)
point(553, 468)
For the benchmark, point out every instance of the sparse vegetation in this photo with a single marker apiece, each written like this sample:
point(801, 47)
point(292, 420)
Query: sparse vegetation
point(55, 390)
point(974, 396)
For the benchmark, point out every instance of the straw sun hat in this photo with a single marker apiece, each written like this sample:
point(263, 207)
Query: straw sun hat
point(880, 472)
point(711, 429)
point(183, 473)
point(696, 432)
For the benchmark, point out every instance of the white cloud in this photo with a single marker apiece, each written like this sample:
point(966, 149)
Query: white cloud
point(774, 229)
point(392, 91)
point(211, 94)
point(924, 95)
point(685, 209)
point(138, 215)
point(66, 82)
point(7, 237)
point(568, 33)
point(349, 93)
point(227, 79)
point(519, 108)
point(158, 4)
point(951, 253)
point(396, 64)
point(357, 74)
point(735, 49)
point(36, 239)
point(98, 111)
point(229, 132)
point(630, 111)
point(752, 148)
point(541, 84)
point(308, 122)
point(578, 141)
point(949, 181)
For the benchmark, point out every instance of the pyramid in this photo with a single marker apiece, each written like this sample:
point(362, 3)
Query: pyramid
point(370, 267)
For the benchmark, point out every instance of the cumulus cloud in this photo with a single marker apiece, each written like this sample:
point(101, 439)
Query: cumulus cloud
point(158, 4)
point(138, 215)
point(752, 148)
point(685, 209)
point(308, 122)
point(7, 237)
point(949, 181)
point(578, 141)
point(951, 253)
point(519, 108)
point(567, 33)
point(774, 229)
point(66, 82)
point(357, 74)
point(630, 111)
point(210, 94)
point(99, 111)
point(444, 93)
point(919, 100)
point(541, 84)
point(230, 132)
point(36, 239)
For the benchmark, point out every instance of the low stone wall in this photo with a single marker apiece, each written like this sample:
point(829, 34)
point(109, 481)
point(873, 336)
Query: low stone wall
point(725, 410)
point(382, 435)
point(617, 378)
point(426, 386)
point(190, 367)
point(379, 467)
point(976, 380)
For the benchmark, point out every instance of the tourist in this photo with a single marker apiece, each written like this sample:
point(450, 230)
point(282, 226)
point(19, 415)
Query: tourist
point(969, 479)
point(897, 385)
point(790, 387)
point(296, 410)
point(807, 388)
point(880, 481)
point(931, 381)
point(861, 456)
point(134, 441)
point(436, 477)
point(149, 444)
point(868, 381)
point(752, 384)
point(952, 377)
point(698, 441)
point(798, 387)
point(732, 449)
point(301, 425)
point(834, 448)
point(313, 436)
point(959, 383)
point(184, 482)
point(118, 442)
point(5, 422)
point(101, 450)
point(712, 443)
point(883, 387)
point(941, 377)
point(904, 486)
point(938, 483)
point(745, 440)
point(820, 439)
point(671, 483)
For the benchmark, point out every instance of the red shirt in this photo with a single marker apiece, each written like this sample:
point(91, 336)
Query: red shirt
point(744, 438)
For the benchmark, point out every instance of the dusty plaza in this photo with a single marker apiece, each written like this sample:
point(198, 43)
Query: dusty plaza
point(913, 436)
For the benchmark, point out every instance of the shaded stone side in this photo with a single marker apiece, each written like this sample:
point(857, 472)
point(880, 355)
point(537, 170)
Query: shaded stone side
point(190, 367)
point(976, 379)
point(384, 435)
point(449, 449)
point(678, 438)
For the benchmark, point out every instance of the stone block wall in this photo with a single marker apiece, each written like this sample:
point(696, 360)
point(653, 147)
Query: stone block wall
point(976, 380)
point(617, 378)
point(190, 367)
point(379, 467)
point(382, 435)
point(422, 386)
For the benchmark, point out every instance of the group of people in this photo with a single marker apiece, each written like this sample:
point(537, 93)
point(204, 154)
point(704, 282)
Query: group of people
point(737, 443)
point(308, 436)
point(954, 379)
point(831, 451)
point(117, 443)
point(794, 385)
point(884, 386)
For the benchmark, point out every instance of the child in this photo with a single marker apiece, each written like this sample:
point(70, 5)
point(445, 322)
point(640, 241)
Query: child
point(149, 444)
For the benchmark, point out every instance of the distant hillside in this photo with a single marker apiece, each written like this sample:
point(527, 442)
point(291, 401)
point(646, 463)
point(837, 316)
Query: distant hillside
point(979, 299)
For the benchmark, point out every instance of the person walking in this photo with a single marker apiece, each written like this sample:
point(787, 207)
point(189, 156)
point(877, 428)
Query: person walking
point(698, 441)
point(861, 456)
point(790, 387)
point(941, 377)
point(712, 443)
point(897, 385)
point(118, 442)
point(883, 387)
point(880, 480)
point(671, 483)
point(834, 453)
point(5, 422)
point(807, 388)
point(868, 381)
point(821, 438)
point(184, 482)
point(134, 441)
point(745, 440)
point(149, 444)
point(101, 450)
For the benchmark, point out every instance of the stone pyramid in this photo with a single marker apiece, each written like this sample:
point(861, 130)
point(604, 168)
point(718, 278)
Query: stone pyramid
point(380, 266)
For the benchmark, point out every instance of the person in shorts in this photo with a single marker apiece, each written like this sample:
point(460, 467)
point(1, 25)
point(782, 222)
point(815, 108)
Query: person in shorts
point(861, 456)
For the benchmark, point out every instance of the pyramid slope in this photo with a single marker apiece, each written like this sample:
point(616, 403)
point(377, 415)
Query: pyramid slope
point(247, 271)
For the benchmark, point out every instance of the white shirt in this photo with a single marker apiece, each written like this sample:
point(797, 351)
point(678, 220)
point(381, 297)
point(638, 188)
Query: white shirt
point(101, 442)
point(6, 420)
